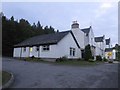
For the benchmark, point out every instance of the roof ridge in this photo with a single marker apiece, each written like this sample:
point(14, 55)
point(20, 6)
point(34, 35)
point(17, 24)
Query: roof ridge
point(86, 28)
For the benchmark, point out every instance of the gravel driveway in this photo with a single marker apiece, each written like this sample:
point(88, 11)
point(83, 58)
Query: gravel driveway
point(45, 75)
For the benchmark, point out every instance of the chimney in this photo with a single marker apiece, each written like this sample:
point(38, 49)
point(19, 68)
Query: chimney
point(74, 25)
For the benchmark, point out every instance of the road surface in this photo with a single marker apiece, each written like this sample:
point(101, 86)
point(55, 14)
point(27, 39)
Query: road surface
point(45, 75)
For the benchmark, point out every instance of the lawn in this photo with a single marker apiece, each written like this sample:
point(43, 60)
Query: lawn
point(66, 62)
point(5, 77)
point(79, 63)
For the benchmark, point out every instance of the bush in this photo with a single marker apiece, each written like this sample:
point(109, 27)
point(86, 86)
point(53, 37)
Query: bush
point(88, 53)
point(64, 58)
point(104, 59)
point(32, 57)
point(99, 58)
point(92, 57)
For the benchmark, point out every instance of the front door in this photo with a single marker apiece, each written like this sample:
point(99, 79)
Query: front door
point(82, 53)
point(30, 51)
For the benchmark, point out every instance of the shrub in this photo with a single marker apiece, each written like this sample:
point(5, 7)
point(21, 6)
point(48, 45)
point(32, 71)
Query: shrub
point(88, 53)
point(92, 57)
point(64, 58)
point(104, 59)
point(99, 58)
point(33, 57)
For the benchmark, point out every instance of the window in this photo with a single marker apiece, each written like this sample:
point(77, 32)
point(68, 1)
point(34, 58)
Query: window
point(72, 51)
point(24, 49)
point(46, 48)
point(37, 48)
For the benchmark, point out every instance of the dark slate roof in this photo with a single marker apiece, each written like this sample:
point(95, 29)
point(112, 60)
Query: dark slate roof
point(108, 49)
point(86, 30)
point(107, 41)
point(43, 39)
point(99, 39)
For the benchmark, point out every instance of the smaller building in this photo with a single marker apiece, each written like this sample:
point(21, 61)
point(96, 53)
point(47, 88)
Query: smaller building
point(110, 53)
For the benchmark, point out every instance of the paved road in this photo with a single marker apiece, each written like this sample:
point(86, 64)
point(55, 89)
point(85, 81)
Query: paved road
point(42, 75)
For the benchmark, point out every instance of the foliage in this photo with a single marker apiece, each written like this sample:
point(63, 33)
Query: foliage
point(79, 63)
point(99, 58)
point(104, 59)
point(5, 77)
point(61, 59)
point(32, 59)
point(14, 32)
point(117, 48)
point(88, 53)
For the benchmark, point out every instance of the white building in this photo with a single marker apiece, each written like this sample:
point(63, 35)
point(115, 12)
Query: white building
point(56, 45)
point(100, 46)
point(68, 43)
point(89, 39)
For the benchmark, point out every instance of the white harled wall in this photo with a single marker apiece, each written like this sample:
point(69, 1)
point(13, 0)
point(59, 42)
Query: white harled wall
point(79, 35)
point(16, 52)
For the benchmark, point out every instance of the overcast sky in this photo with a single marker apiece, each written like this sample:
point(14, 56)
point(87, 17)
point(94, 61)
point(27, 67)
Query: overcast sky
point(103, 16)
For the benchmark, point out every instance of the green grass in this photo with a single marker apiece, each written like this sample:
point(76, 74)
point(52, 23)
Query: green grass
point(79, 63)
point(5, 77)
point(66, 62)
point(34, 60)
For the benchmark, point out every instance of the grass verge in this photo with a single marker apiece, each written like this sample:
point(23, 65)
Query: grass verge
point(5, 77)
point(79, 63)
point(65, 62)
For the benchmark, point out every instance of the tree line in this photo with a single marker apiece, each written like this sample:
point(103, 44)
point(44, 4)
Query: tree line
point(14, 32)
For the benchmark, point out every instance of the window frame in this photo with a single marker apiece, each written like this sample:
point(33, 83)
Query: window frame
point(46, 48)
point(72, 52)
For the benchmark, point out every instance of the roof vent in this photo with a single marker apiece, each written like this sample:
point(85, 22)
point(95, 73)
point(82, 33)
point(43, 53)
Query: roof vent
point(75, 25)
